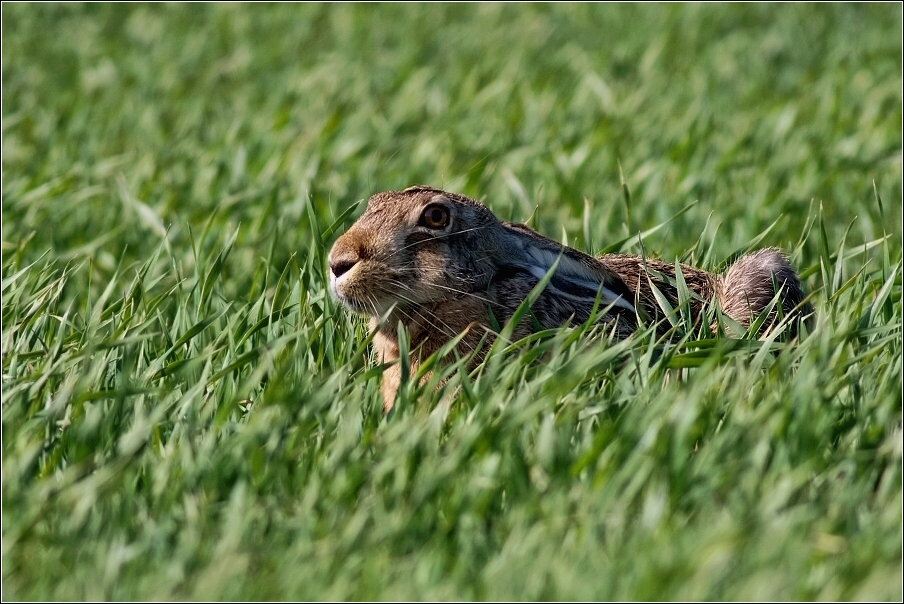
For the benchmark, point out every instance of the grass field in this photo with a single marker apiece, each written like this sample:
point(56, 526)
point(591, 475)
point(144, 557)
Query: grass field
point(187, 413)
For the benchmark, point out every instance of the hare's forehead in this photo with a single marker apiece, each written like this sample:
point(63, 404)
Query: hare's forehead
point(386, 207)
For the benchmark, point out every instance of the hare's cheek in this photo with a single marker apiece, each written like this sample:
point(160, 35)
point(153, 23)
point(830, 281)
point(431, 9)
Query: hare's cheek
point(432, 262)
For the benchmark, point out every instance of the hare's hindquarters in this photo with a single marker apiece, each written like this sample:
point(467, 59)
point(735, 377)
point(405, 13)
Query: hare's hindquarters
point(751, 283)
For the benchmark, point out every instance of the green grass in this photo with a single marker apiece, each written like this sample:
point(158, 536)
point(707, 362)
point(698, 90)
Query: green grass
point(187, 413)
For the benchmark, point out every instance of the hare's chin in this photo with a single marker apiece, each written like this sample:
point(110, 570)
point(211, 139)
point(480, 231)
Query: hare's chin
point(373, 307)
point(355, 306)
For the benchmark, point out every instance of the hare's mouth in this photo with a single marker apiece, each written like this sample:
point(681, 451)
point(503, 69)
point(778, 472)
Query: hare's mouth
point(358, 306)
point(371, 307)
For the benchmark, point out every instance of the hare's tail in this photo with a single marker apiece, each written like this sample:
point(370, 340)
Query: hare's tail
point(749, 286)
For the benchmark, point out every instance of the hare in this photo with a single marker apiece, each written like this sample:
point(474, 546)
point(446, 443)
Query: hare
point(442, 264)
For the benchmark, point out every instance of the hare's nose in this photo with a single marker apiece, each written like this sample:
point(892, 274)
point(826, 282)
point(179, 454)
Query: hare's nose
point(342, 265)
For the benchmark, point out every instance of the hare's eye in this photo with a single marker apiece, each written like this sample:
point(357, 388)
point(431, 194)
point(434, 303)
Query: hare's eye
point(435, 217)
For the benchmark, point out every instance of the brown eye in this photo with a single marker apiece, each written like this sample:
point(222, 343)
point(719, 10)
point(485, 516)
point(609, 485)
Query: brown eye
point(435, 217)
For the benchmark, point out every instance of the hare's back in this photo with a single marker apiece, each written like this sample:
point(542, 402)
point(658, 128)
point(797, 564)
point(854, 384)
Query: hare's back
point(641, 274)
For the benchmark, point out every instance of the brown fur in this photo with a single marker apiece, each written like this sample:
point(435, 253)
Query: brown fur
point(440, 282)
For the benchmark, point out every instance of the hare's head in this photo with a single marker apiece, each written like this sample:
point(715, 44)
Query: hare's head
point(415, 247)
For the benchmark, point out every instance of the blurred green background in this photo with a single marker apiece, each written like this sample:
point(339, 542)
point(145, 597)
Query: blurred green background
point(172, 176)
point(752, 111)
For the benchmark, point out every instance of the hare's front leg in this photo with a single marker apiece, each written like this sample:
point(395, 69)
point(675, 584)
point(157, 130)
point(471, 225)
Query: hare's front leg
point(387, 350)
point(389, 386)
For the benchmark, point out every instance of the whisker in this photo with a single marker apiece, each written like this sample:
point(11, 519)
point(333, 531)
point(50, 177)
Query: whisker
point(437, 237)
point(454, 290)
point(423, 312)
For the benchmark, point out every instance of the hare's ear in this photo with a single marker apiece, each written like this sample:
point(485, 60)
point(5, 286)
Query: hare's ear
point(420, 189)
point(578, 275)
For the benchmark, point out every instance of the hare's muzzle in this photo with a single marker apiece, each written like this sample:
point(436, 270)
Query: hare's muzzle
point(341, 261)
point(340, 266)
point(343, 256)
point(344, 281)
